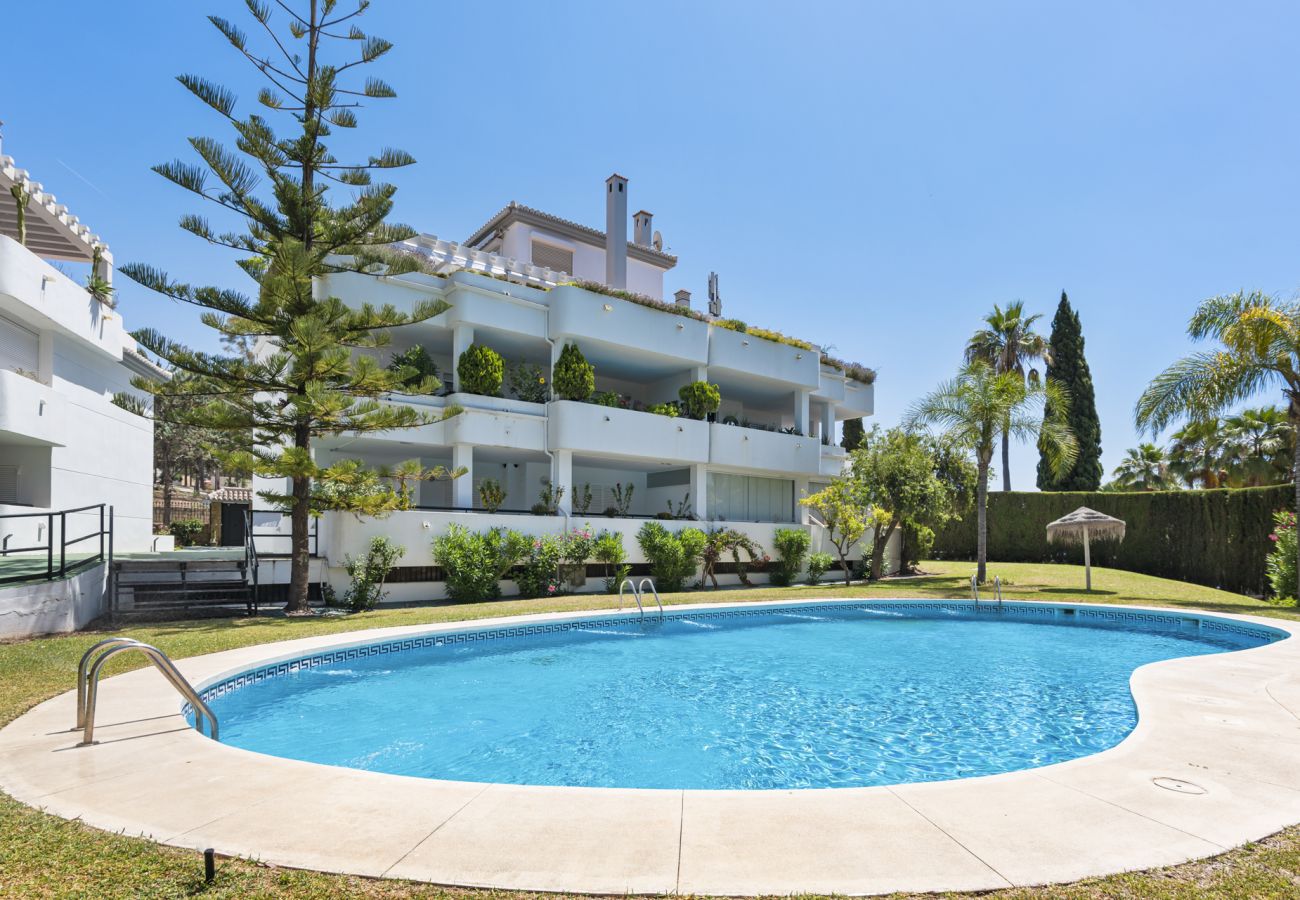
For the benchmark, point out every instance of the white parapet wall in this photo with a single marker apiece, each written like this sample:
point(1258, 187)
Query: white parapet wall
point(53, 607)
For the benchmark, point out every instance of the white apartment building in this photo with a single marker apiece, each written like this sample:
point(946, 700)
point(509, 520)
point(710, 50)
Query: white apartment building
point(772, 441)
point(64, 353)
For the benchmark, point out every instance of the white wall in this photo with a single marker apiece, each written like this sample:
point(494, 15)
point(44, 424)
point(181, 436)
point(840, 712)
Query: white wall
point(52, 607)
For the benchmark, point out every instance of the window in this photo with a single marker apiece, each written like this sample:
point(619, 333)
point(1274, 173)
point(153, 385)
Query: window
point(17, 346)
point(8, 484)
point(750, 498)
point(550, 257)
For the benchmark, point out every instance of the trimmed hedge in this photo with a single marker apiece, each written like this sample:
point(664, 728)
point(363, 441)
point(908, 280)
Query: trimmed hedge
point(1218, 538)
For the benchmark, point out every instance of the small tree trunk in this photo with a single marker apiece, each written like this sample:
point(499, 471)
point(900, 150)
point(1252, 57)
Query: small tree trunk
point(981, 523)
point(878, 544)
point(844, 564)
point(165, 473)
point(1006, 460)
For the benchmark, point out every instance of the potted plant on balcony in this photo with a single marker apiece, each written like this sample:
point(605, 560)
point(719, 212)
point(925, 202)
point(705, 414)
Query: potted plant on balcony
point(548, 502)
point(700, 399)
point(527, 382)
point(492, 494)
point(480, 369)
point(575, 378)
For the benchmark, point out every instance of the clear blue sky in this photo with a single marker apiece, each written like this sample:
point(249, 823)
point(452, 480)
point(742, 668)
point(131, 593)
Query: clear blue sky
point(867, 174)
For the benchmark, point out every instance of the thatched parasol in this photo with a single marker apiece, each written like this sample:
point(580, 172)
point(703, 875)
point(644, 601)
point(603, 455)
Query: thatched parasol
point(1081, 525)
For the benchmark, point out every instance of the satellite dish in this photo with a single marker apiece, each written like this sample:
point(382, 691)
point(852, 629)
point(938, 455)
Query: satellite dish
point(658, 241)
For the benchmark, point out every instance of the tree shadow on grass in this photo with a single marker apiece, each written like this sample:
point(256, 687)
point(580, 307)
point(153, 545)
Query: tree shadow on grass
point(1075, 591)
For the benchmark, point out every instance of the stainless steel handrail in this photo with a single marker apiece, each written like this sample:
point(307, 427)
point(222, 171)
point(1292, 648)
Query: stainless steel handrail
point(640, 589)
point(636, 595)
point(163, 664)
point(84, 666)
point(997, 588)
point(975, 589)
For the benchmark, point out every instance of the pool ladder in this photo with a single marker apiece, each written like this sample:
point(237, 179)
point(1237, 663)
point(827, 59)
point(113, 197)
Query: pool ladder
point(638, 591)
point(975, 589)
point(88, 684)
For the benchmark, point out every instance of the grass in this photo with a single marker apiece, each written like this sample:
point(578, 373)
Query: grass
point(45, 856)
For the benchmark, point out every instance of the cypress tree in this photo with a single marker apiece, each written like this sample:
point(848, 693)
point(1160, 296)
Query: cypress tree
point(852, 433)
point(1069, 368)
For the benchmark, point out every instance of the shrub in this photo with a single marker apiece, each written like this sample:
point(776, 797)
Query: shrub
point(474, 562)
point(548, 501)
point(491, 494)
point(413, 366)
point(622, 499)
point(700, 399)
point(1281, 564)
point(818, 565)
point(480, 370)
point(607, 549)
point(575, 378)
point(581, 500)
point(597, 287)
point(673, 558)
point(369, 573)
point(606, 398)
point(663, 409)
point(791, 546)
point(731, 325)
point(186, 531)
point(527, 382)
point(539, 573)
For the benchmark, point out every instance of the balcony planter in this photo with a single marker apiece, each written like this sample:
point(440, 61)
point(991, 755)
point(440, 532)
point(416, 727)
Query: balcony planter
point(766, 451)
point(751, 355)
point(607, 430)
point(579, 313)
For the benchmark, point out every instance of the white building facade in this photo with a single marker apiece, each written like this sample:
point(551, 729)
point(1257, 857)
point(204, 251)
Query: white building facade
point(510, 287)
point(64, 353)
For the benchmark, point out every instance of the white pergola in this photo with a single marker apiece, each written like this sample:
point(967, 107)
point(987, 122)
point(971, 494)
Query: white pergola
point(52, 231)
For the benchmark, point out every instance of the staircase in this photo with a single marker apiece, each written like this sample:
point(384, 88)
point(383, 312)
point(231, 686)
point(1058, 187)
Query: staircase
point(175, 588)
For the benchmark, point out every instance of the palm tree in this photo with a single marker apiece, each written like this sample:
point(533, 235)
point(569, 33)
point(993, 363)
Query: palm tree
point(1258, 446)
point(1008, 344)
point(1196, 453)
point(1259, 348)
point(978, 405)
point(1144, 468)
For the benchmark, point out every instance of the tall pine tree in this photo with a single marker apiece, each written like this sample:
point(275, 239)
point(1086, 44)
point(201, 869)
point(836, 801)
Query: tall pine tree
point(309, 382)
point(1069, 368)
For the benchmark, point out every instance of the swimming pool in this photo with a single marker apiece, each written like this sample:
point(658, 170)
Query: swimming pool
point(813, 695)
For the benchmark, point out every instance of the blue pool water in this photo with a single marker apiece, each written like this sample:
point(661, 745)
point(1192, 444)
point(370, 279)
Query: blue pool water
point(790, 698)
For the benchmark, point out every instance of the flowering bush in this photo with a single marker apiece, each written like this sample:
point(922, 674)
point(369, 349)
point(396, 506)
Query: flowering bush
point(818, 565)
point(476, 561)
point(1281, 564)
point(539, 571)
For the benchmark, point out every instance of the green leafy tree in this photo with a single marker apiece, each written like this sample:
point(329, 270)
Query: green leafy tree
point(851, 434)
point(838, 509)
point(1009, 345)
point(896, 474)
point(1144, 468)
point(310, 383)
point(979, 404)
point(1258, 349)
point(1067, 366)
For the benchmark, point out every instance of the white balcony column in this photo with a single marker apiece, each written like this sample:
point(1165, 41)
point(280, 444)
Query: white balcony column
point(828, 422)
point(801, 513)
point(461, 337)
point(700, 492)
point(700, 373)
point(562, 474)
point(462, 488)
point(802, 420)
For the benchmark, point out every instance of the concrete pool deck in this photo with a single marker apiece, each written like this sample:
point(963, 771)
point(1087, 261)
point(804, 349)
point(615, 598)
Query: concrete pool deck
point(1211, 765)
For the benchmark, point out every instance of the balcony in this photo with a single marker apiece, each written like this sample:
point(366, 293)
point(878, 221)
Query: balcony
point(46, 298)
point(30, 410)
point(751, 448)
point(485, 421)
point(578, 313)
point(749, 355)
point(832, 459)
point(609, 431)
point(859, 397)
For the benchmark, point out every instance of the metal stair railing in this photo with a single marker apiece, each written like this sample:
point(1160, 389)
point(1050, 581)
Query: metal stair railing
point(88, 684)
point(638, 591)
point(975, 589)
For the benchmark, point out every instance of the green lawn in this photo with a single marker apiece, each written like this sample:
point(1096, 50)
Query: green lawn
point(44, 856)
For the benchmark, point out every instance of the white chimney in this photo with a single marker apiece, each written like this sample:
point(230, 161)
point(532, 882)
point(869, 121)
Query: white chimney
point(683, 298)
point(616, 231)
point(641, 228)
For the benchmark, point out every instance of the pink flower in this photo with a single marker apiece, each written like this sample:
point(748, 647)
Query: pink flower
point(1273, 538)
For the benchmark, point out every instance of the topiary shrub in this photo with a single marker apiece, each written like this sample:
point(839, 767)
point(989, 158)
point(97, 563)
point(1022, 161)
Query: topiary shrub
point(480, 369)
point(791, 547)
point(673, 558)
point(700, 399)
point(575, 378)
